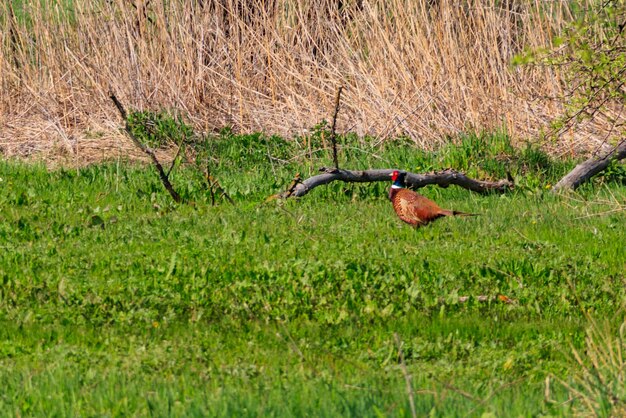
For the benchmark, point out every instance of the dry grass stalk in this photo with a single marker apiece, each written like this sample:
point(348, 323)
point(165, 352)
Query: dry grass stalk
point(422, 69)
point(599, 388)
point(599, 206)
point(407, 376)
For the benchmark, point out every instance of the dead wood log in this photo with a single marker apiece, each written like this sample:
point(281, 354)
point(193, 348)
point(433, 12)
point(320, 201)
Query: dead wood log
point(589, 168)
point(415, 181)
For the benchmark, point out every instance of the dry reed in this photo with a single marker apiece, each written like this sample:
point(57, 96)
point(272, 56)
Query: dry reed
point(422, 69)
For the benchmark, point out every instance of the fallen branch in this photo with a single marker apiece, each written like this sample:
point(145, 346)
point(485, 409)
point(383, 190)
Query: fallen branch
point(589, 168)
point(162, 175)
point(415, 181)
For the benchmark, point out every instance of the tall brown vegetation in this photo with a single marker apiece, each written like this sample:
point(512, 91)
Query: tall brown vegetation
point(422, 69)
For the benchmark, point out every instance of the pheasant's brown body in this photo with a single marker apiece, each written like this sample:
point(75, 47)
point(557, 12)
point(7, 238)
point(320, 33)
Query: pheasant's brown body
point(415, 209)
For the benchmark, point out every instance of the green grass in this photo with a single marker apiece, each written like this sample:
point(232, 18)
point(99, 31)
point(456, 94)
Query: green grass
point(115, 301)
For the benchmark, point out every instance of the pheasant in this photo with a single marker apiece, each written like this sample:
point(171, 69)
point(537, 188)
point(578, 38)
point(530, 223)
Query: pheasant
point(412, 207)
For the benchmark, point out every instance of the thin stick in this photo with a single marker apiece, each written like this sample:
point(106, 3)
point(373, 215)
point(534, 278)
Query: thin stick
point(407, 376)
point(333, 136)
point(210, 185)
point(213, 183)
point(180, 147)
point(292, 341)
point(164, 179)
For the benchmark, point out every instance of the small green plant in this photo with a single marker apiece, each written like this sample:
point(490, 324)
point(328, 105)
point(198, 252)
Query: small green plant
point(159, 129)
point(615, 172)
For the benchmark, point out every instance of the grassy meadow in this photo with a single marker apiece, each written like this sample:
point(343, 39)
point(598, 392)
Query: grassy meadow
point(114, 301)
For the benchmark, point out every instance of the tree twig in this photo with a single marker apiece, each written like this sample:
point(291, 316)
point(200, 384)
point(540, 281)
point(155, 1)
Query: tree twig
point(442, 178)
point(210, 186)
point(333, 136)
point(215, 185)
point(180, 147)
point(162, 175)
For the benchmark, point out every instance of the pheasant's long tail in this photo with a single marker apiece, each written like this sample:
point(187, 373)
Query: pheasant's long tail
point(457, 213)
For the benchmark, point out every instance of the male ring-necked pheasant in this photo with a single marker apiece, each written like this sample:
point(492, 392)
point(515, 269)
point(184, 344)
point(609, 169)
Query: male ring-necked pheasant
point(413, 208)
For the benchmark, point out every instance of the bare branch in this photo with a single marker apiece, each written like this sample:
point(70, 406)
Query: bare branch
point(207, 177)
point(415, 181)
point(164, 178)
point(214, 185)
point(333, 136)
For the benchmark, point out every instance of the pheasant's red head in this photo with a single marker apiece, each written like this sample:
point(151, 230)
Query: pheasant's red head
point(394, 175)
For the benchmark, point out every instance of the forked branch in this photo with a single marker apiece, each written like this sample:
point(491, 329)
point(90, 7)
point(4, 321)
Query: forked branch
point(442, 179)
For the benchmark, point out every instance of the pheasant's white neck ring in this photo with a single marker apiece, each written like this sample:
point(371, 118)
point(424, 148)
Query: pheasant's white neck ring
point(395, 186)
